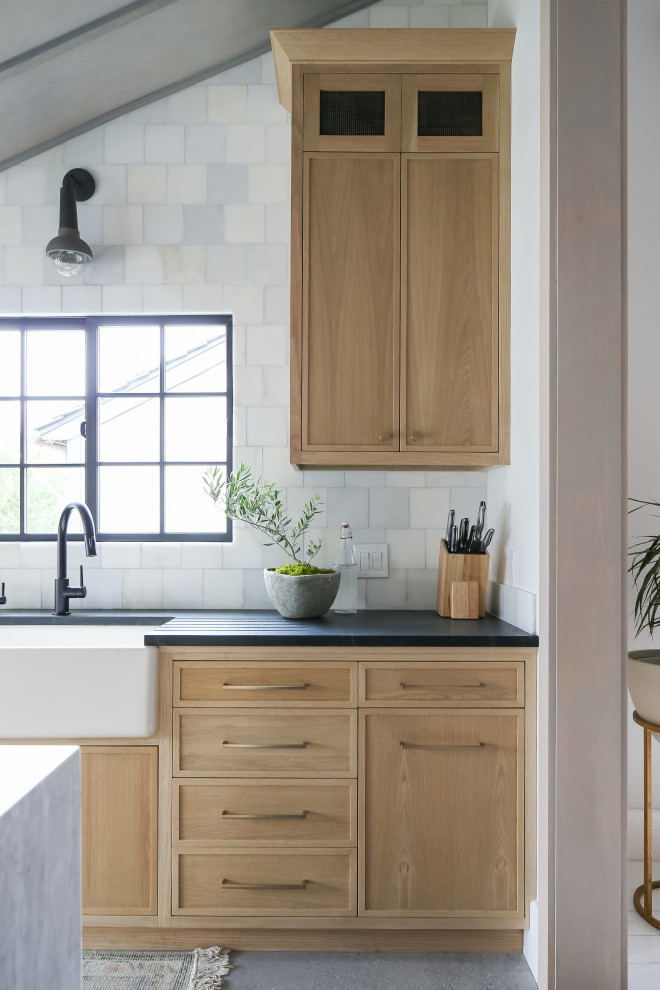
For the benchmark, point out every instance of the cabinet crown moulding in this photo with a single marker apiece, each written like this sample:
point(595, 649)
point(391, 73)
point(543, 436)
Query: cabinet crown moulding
point(385, 46)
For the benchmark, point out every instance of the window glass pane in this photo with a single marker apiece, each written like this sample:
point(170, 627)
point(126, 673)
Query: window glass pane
point(55, 362)
point(129, 500)
point(47, 492)
point(52, 433)
point(196, 429)
point(129, 429)
point(10, 362)
point(188, 509)
point(9, 500)
point(129, 358)
point(195, 359)
point(10, 432)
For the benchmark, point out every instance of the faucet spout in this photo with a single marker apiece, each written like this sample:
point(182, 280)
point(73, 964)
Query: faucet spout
point(62, 590)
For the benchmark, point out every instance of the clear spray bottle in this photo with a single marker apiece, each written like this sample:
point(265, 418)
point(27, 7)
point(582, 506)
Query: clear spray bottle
point(347, 596)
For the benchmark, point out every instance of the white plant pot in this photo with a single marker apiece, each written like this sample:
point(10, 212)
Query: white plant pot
point(644, 684)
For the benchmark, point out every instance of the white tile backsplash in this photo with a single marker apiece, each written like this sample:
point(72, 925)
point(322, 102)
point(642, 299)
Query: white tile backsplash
point(191, 214)
point(142, 588)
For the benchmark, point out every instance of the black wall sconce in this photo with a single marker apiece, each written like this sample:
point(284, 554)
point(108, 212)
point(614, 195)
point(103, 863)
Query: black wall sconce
point(68, 251)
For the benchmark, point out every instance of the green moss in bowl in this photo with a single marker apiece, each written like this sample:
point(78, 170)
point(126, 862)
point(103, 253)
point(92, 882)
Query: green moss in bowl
point(296, 570)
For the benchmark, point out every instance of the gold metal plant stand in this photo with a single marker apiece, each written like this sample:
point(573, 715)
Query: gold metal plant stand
point(649, 885)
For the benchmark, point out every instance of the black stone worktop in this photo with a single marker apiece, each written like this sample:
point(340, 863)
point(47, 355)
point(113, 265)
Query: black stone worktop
point(364, 628)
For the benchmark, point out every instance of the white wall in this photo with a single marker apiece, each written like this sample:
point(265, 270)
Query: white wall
point(191, 214)
point(513, 491)
point(643, 335)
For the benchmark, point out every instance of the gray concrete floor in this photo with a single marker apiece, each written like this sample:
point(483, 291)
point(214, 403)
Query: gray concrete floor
point(378, 971)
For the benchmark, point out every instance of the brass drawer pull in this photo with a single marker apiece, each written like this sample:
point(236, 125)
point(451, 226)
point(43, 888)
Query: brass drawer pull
point(263, 886)
point(440, 687)
point(233, 814)
point(477, 745)
point(265, 687)
point(231, 745)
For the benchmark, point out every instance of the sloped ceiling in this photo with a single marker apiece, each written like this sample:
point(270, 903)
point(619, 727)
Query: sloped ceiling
point(68, 67)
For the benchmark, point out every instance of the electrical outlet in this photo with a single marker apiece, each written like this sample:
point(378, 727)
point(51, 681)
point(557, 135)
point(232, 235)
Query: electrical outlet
point(372, 560)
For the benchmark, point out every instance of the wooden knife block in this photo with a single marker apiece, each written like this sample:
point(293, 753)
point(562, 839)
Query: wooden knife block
point(462, 582)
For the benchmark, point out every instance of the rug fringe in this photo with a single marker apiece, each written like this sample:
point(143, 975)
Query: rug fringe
point(209, 967)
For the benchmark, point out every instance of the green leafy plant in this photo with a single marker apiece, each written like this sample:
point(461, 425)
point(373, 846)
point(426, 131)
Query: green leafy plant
point(645, 570)
point(258, 503)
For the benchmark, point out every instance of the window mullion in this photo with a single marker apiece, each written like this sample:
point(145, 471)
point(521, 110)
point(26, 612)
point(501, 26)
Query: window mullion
point(161, 466)
point(91, 420)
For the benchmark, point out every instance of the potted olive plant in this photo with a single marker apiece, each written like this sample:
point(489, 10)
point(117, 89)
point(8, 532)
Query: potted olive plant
point(298, 590)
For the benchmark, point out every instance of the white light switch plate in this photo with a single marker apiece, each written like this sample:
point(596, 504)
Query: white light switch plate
point(372, 560)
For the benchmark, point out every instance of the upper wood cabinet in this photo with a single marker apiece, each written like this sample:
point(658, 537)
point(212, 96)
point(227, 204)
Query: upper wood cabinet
point(400, 246)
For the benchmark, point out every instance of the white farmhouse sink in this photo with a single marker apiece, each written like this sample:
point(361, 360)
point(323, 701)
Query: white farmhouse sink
point(70, 682)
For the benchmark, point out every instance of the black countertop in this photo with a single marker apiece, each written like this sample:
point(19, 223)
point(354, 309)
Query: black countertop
point(364, 628)
point(176, 627)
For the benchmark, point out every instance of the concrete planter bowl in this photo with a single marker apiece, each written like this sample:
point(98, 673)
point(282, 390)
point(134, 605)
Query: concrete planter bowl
point(302, 596)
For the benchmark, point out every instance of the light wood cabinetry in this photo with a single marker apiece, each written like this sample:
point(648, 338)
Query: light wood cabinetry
point(119, 829)
point(350, 342)
point(442, 812)
point(400, 246)
point(449, 379)
point(426, 841)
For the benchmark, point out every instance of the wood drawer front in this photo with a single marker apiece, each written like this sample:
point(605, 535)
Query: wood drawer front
point(248, 684)
point(284, 883)
point(451, 684)
point(265, 743)
point(265, 813)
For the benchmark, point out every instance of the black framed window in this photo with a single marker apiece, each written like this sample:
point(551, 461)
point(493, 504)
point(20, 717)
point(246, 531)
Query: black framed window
point(123, 413)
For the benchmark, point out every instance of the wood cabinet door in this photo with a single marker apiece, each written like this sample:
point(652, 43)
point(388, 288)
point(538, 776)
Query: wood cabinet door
point(450, 338)
point(119, 829)
point(350, 347)
point(442, 826)
point(450, 111)
point(357, 111)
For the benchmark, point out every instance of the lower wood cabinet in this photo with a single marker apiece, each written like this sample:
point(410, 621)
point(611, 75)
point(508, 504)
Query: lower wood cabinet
point(442, 813)
point(119, 830)
point(399, 813)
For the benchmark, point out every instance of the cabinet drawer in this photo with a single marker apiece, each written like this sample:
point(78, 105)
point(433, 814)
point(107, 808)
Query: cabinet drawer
point(445, 684)
point(261, 882)
point(249, 684)
point(265, 743)
point(265, 813)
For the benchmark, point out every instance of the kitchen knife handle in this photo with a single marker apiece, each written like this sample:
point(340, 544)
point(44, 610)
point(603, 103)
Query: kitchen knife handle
point(487, 538)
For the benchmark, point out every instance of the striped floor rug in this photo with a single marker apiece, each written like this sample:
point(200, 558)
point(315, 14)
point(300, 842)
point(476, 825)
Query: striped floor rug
point(202, 969)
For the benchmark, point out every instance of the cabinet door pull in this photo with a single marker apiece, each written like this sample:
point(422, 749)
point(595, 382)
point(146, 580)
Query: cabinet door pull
point(477, 745)
point(232, 745)
point(233, 814)
point(440, 687)
point(384, 437)
point(265, 687)
point(414, 437)
point(233, 885)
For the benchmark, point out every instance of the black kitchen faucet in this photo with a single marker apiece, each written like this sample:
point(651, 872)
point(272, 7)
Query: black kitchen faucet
point(62, 590)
